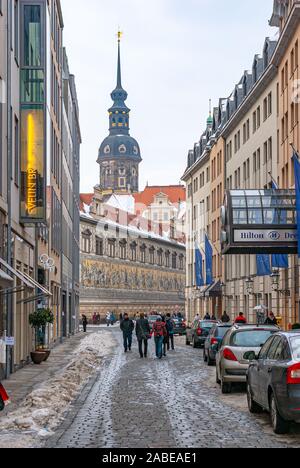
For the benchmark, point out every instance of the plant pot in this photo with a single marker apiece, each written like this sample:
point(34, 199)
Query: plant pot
point(38, 357)
point(47, 352)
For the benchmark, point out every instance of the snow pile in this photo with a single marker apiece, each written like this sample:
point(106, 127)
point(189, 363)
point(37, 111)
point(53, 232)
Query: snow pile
point(43, 409)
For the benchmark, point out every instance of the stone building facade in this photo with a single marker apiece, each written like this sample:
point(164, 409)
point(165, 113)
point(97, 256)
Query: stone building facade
point(126, 269)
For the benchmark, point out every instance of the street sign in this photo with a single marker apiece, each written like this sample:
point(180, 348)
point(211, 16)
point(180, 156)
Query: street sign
point(10, 341)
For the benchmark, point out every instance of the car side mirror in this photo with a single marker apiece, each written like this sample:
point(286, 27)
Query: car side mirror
point(250, 356)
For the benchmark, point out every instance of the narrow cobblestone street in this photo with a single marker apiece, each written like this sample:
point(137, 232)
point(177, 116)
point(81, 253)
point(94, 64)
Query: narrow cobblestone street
point(134, 403)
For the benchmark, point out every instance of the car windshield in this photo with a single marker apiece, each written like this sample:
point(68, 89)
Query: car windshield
point(251, 338)
point(207, 325)
point(296, 347)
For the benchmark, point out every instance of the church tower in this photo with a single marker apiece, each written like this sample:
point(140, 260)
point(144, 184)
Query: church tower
point(119, 154)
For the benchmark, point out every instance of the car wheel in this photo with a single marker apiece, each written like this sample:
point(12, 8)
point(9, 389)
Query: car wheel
point(210, 362)
point(226, 387)
point(204, 356)
point(280, 426)
point(254, 408)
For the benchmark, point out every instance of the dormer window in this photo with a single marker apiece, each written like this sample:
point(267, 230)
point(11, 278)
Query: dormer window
point(122, 149)
point(107, 149)
point(135, 150)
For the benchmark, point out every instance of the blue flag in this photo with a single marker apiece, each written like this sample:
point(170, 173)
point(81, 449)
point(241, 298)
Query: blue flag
point(279, 260)
point(198, 267)
point(263, 265)
point(297, 185)
point(209, 262)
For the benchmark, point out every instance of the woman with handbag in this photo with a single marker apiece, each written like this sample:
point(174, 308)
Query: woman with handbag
point(3, 397)
point(143, 333)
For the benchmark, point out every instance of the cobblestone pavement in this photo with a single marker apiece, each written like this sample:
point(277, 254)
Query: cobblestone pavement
point(136, 403)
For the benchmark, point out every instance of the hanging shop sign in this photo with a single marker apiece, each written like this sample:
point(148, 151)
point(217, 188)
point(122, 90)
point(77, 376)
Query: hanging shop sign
point(259, 222)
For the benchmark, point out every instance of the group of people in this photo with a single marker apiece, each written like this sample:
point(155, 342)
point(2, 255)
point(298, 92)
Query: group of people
point(240, 319)
point(162, 330)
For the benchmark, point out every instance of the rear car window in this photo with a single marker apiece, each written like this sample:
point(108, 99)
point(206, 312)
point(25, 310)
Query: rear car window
point(207, 325)
point(221, 332)
point(296, 347)
point(250, 338)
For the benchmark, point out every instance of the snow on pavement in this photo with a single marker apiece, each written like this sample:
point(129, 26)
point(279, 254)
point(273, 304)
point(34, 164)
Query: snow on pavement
point(43, 410)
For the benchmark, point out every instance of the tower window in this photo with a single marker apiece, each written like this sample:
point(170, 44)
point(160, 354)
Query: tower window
point(122, 182)
point(122, 171)
point(122, 149)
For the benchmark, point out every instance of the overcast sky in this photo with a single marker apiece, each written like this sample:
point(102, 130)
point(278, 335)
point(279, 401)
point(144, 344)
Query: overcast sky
point(176, 55)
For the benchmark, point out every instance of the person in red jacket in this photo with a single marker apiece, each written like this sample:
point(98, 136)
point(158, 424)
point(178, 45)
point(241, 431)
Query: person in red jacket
point(159, 332)
point(3, 397)
point(241, 319)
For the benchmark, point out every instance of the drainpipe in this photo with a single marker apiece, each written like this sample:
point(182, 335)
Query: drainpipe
point(9, 302)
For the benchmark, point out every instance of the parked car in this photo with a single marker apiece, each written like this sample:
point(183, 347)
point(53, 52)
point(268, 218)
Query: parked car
point(198, 333)
point(213, 340)
point(231, 364)
point(179, 326)
point(273, 380)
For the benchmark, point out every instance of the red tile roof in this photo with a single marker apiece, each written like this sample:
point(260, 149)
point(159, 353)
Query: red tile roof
point(85, 199)
point(175, 193)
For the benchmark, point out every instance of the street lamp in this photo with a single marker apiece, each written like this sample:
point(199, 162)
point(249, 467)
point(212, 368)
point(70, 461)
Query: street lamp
point(275, 277)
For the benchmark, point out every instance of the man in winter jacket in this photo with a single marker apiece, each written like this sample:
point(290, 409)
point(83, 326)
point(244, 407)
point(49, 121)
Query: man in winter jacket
point(170, 326)
point(160, 332)
point(127, 327)
point(143, 333)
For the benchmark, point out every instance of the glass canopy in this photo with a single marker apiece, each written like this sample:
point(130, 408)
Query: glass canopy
point(263, 207)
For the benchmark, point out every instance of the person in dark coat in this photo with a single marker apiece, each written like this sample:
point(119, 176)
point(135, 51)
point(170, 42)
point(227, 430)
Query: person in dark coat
point(170, 326)
point(271, 319)
point(84, 323)
point(207, 317)
point(127, 327)
point(143, 332)
point(225, 317)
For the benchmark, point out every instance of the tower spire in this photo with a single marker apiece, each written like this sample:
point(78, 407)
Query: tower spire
point(119, 78)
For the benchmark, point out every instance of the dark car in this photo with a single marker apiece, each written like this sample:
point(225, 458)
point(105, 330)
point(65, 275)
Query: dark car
point(179, 326)
point(273, 380)
point(213, 341)
point(198, 333)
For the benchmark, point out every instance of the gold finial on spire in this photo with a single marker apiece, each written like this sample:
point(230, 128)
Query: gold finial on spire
point(119, 35)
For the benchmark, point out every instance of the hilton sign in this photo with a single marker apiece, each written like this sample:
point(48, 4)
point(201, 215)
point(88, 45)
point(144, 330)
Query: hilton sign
point(265, 236)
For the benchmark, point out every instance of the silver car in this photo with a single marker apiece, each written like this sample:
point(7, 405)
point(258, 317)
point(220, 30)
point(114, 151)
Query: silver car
point(232, 366)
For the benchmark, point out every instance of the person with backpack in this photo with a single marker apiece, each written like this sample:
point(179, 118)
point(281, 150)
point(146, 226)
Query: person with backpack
point(159, 332)
point(127, 327)
point(170, 326)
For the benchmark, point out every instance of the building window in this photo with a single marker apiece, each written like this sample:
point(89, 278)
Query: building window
point(181, 262)
point(123, 249)
point(133, 247)
point(122, 171)
point(17, 153)
point(122, 182)
point(87, 241)
point(152, 255)
point(112, 248)
point(160, 257)
point(143, 254)
point(99, 246)
point(16, 29)
point(174, 261)
point(167, 255)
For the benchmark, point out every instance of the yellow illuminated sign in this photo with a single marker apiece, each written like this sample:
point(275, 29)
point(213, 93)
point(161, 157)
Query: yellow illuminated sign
point(32, 165)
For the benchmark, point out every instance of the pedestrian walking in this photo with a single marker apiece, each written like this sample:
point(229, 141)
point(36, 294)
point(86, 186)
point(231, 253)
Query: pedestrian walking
point(94, 318)
point(98, 319)
point(241, 319)
point(170, 326)
point(108, 319)
point(4, 399)
point(271, 319)
point(159, 331)
point(127, 327)
point(84, 322)
point(143, 333)
point(225, 317)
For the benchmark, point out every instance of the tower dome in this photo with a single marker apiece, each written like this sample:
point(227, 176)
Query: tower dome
point(119, 154)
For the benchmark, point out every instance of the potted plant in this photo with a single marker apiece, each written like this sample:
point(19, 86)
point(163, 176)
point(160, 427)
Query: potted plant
point(38, 321)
